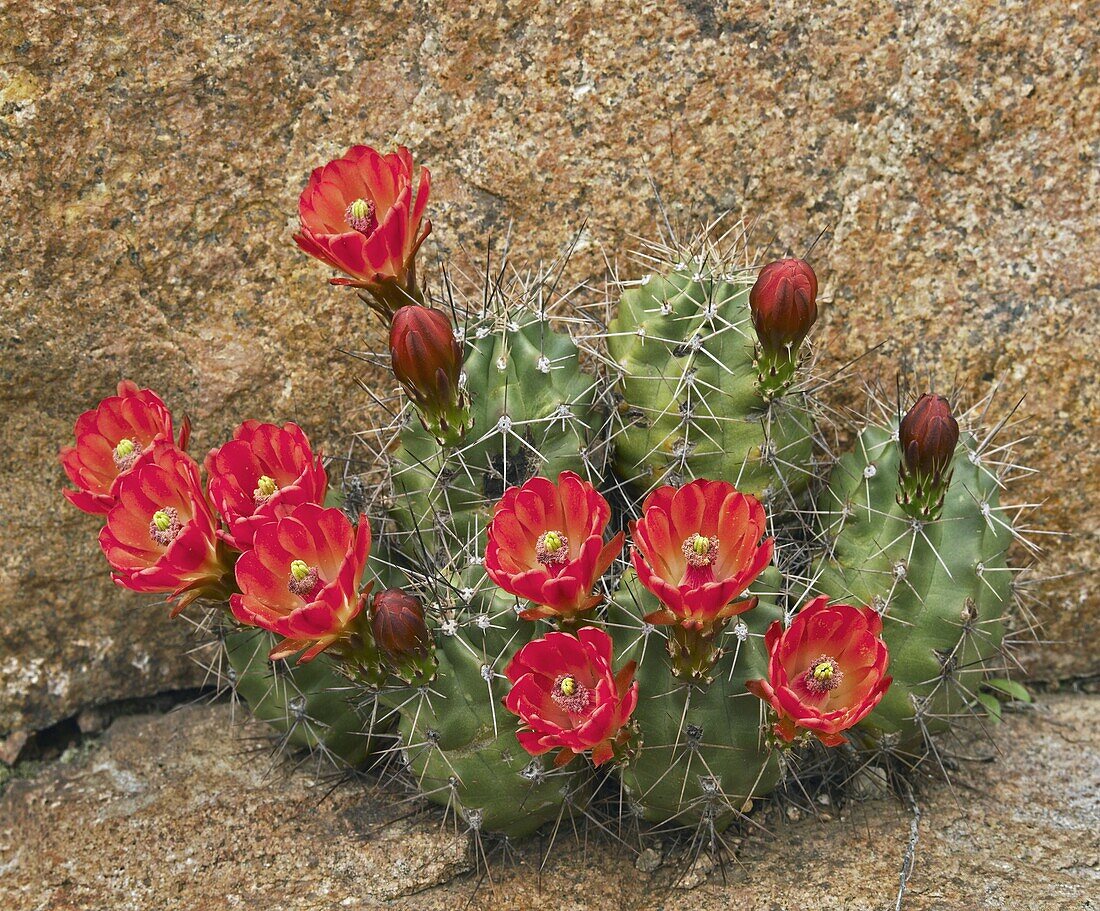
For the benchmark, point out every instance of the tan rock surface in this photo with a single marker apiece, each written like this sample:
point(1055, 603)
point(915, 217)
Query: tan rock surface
point(151, 153)
point(172, 812)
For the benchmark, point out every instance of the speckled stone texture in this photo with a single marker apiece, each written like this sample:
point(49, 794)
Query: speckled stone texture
point(151, 155)
point(168, 812)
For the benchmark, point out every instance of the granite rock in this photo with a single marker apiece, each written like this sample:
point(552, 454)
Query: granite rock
point(151, 153)
point(173, 811)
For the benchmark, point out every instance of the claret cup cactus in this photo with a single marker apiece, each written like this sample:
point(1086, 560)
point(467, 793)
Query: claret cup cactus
point(595, 550)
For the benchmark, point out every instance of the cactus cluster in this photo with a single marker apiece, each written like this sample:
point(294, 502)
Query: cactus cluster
point(514, 655)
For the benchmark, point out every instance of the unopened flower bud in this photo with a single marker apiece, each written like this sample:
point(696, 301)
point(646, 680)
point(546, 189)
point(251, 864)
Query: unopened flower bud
point(397, 621)
point(784, 304)
point(427, 361)
point(927, 435)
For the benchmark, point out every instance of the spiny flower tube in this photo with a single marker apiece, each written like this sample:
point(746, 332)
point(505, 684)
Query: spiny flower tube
point(545, 544)
point(359, 215)
point(568, 696)
point(301, 580)
point(160, 534)
point(826, 672)
point(927, 436)
point(783, 304)
point(263, 472)
point(109, 440)
point(427, 361)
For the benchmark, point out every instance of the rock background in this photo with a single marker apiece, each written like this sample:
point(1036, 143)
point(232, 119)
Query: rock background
point(172, 811)
point(151, 155)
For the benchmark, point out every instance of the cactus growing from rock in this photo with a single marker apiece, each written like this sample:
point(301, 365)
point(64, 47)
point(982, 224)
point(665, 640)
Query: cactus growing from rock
point(528, 441)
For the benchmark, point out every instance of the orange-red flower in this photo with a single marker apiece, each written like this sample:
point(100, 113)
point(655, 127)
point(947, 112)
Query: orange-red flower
point(301, 579)
point(826, 672)
point(260, 474)
point(109, 440)
point(160, 534)
point(358, 214)
point(564, 689)
point(697, 548)
point(545, 544)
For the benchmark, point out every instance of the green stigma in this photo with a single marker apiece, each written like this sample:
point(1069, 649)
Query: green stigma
point(568, 685)
point(124, 448)
point(266, 486)
point(701, 545)
point(299, 569)
point(359, 209)
point(823, 672)
point(552, 541)
point(162, 520)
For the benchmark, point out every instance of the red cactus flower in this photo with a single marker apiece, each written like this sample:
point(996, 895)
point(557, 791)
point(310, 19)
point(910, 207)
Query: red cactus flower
point(109, 440)
point(427, 361)
point(783, 303)
point(564, 689)
point(545, 544)
point(358, 214)
point(260, 474)
point(826, 672)
point(697, 548)
point(301, 579)
point(160, 534)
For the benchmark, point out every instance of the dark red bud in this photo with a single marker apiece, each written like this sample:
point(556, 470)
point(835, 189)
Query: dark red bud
point(784, 304)
point(928, 436)
point(397, 621)
point(426, 356)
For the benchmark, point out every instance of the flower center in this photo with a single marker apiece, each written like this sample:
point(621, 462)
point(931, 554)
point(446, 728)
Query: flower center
point(570, 694)
point(823, 676)
point(303, 579)
point(165, 526)
point(552, 547)
point(360, 215)
point(700, 550)
point(126, 453)
point(265, 489)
